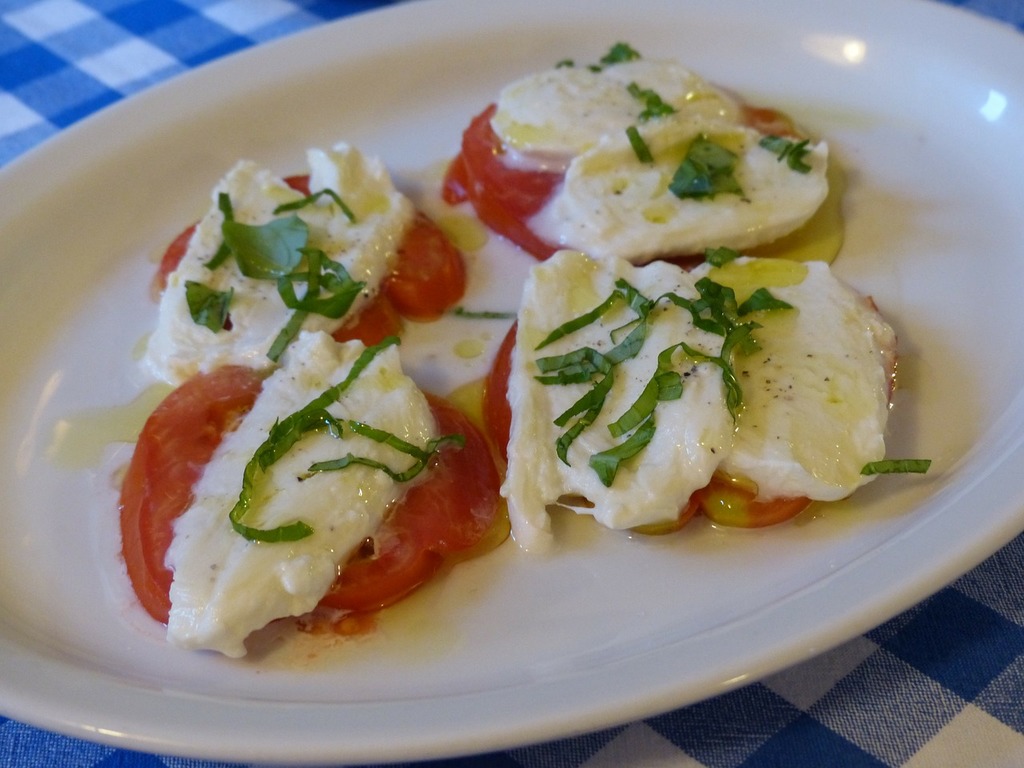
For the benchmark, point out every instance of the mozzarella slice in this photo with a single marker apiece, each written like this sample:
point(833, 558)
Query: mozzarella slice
point(179, 347)
point(548, 118)
point(225, 586)
point(612, 204)
point(691, 432)
point(816, 395)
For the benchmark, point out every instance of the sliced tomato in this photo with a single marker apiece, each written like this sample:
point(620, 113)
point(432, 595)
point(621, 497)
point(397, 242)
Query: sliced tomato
point(176, 442)
point(503, 197)
point(496, 410)
point(770, 122)
point(375, 322)
point(172, 257)
point(430, 275)
point(729, 502)
point(450, 512)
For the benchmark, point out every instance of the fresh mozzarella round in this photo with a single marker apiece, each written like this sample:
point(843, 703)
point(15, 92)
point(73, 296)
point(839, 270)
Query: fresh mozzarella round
point(691, 431)
point(612, 204)
point(366, 247)
point(813, 394)
point(548, 118)
point(226, 586)
point(575, 120)
point(816, 393)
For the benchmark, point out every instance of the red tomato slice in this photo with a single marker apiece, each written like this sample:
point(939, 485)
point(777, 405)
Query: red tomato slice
point(430, 276)
point(728, 502)
point(504, 198)
point(375, 322)
point(450, 512)
point(496, 410)
point(175, 444)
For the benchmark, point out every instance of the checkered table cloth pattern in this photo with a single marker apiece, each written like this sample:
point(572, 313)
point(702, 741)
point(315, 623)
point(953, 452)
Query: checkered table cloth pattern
point(940, 685)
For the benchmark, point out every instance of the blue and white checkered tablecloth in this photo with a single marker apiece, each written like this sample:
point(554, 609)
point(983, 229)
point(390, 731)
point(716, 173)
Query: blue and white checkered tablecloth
point(940, 685)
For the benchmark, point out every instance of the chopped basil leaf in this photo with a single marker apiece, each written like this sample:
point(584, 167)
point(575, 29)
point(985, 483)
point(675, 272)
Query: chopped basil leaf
point(312, 198)
point(761, 300)
point(640, 148)
point(606, 463)
point(421, 456)
point(225, 207)
point(721, 256)
point(897, 466)
point(312, 417)
point(207, 306)
point(706, 171)
point(267, 251)
point(286, 335)
point(330, 289)
point(793, 152)
point(483, 314)
point(565, 63)
point(619, 53)
point(654, 106)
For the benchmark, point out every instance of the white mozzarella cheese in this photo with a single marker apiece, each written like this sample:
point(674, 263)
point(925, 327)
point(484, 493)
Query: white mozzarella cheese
point(366, 247)
point(612, 204)
point(816, 395)
point(548, 118)
point(225, 586)
point(691, 431)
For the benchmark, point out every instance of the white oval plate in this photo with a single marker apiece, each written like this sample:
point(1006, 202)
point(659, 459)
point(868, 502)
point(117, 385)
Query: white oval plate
point(923, 106)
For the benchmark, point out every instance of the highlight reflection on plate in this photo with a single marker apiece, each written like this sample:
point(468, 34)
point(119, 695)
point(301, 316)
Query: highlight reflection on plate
point(510, 649)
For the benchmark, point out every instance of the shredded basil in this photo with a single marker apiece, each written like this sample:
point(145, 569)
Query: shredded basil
point(793, 152)
point(718, 257)
point(208, 307)
point(483, 314)
point(267, 251)
point(896, 466)
point(706, 171)
point(312, 198)
point(640, 148)
point(314, 417)
point(714, 310)
point(619, 53)
point(761, 300)
point(654, 106)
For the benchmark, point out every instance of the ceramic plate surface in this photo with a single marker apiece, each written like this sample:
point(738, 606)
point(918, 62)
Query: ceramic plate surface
point(923, 107)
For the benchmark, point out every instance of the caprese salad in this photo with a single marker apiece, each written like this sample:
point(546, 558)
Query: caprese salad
point(296, 467)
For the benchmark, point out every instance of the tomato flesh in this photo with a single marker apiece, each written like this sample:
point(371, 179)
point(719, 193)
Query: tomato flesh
point(430, 275)
point(728, 502)
point(450, 512)
point(503, 197)
point(496, 410)
point(174, 446)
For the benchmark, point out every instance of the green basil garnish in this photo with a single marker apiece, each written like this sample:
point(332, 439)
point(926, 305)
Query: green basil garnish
point(706, 171)
point(208, 307)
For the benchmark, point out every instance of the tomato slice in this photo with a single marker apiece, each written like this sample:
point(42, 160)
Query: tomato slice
point(174, 446)
point(496, 410)
point(430, 276)
point(504, 198)
point(375, 322)
point(729, 502)
point(450, 512)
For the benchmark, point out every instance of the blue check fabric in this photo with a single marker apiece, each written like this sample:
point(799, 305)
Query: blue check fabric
point(940, 685)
